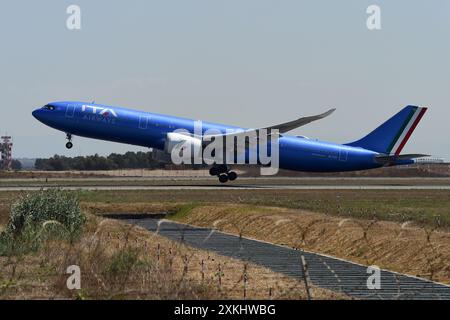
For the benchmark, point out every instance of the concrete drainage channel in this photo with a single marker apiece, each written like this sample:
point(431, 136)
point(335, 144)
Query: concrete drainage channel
point(324, 271)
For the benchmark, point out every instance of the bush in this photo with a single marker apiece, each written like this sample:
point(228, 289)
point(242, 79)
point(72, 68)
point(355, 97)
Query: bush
point(123, 265)
point(47, 214)
point(123, 261)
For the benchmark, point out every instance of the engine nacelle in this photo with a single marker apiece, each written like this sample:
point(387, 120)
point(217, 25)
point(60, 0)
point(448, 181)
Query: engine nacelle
point(178, 142)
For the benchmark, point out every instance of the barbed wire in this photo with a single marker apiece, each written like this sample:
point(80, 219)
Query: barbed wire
point(179, 273)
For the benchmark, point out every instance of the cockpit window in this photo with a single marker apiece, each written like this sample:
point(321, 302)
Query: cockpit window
point(49, 107)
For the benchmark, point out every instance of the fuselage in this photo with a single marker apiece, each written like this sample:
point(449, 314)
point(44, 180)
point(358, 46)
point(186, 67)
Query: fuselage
point(150, 130)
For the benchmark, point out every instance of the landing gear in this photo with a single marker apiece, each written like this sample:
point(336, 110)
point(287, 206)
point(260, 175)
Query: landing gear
point(232, 176)
point(223, 178)
point(218, 170)
point(214, 171)
point(69, 145)
point(223, 172)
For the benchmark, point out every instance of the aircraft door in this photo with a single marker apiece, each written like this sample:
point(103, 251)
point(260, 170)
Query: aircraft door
point(143, 123)
point(343, 155)
point(70, 111)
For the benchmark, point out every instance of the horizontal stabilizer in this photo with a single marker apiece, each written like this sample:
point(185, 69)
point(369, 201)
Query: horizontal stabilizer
point(392, 159)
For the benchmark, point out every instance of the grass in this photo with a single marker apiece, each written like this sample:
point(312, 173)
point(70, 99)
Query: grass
point(119, 261)
point(402, 230)
point(182, 211)
point(212, 181)
point(36, 217)
point(406, 231)
point(424, 252)
point(421, 206)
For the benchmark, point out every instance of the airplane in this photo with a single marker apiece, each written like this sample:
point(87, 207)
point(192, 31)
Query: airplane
point(382, 147)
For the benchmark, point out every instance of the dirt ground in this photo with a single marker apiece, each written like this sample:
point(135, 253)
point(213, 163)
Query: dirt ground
point(162, 269)
point(326, 222)
point(402, 247)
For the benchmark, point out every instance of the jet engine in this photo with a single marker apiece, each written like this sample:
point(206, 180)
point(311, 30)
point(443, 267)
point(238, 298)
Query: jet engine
point(183, 145)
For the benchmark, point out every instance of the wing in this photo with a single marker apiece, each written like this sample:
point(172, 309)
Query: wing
point(282, 128)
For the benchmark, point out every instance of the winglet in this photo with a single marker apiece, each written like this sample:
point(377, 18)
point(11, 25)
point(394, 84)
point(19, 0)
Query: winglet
point(288, 126)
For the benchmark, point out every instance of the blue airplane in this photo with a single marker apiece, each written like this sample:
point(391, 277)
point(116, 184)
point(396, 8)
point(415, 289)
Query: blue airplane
point(381, 147)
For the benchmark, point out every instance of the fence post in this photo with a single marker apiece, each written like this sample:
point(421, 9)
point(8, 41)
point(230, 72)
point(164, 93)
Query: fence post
point(203, 270)
point(245, 276)
point(305, 273)
point(220, 276)
point(186, 264)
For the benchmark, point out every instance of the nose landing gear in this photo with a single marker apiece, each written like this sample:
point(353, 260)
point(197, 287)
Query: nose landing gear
point(69, 144)
point(223, 172)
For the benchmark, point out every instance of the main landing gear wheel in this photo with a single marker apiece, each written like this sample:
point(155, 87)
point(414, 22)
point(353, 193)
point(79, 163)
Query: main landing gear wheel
point(232, 176)
point(214, 171)
point(223, 178)
point(223, 172)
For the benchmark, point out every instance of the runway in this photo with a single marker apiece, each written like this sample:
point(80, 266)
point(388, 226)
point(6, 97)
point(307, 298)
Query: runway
point(324, 271)
point(223, 187)
point(210, 183)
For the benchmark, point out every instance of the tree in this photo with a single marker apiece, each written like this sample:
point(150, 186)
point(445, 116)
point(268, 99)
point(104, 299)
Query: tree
point(129, 160)
point(16, 165)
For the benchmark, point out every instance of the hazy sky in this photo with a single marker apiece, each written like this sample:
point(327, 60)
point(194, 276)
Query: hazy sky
point(250, 63)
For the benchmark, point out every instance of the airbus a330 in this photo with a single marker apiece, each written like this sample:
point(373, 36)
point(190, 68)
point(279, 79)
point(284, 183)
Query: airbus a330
point(381, 147)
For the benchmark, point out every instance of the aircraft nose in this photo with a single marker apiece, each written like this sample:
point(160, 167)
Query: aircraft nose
point(36, 113)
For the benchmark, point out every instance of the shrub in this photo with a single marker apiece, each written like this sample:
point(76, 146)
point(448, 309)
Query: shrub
point(122, 265)
point(123, 261)
point(47, 214)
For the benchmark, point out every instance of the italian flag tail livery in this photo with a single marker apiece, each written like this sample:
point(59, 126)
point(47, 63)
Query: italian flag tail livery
point(405, 132)
point(391, 137)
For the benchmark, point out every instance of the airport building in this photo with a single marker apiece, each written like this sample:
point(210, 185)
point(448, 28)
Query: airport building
point(430, 160)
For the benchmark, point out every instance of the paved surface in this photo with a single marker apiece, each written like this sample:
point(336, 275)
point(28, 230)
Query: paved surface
point(325, 272)
point(211, 183)
point(229, 187)
point(209, 178)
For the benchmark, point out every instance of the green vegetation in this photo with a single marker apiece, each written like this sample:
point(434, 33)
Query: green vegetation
point(183, 211)
point(124, 264)
point(35, 217)
point(123, 261)
point(130, 160)
point(423, 206)
point(16, 165)
point(117, 261)
point(60, 179)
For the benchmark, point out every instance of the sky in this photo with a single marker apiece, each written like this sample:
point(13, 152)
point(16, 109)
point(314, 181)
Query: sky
point(250, 63)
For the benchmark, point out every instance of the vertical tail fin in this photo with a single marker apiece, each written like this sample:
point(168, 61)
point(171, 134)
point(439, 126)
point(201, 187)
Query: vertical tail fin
point(391, 136)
